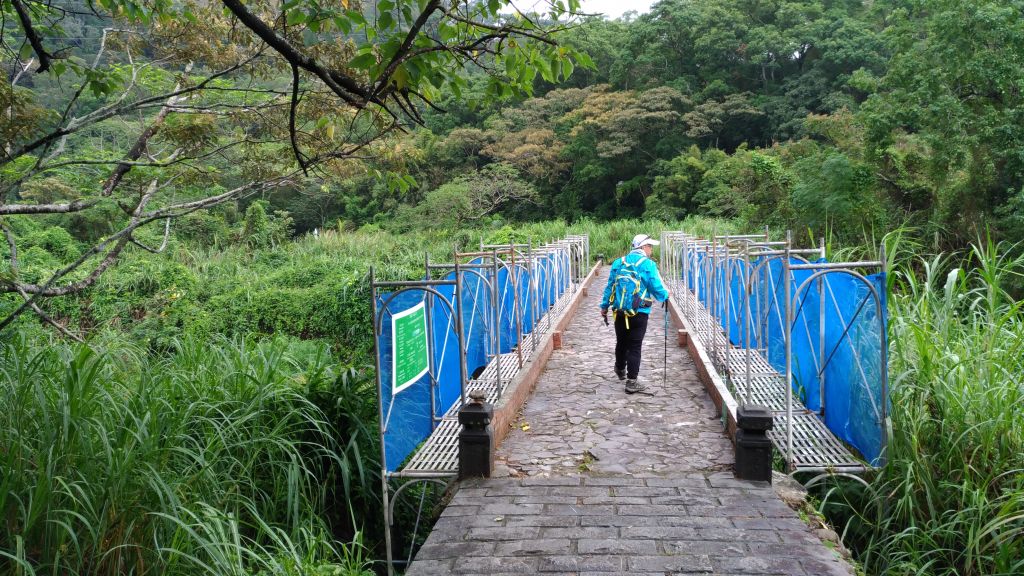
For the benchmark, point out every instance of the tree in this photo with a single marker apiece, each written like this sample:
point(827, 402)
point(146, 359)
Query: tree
point(946, 121)
point(250, 96)
point(471, 198)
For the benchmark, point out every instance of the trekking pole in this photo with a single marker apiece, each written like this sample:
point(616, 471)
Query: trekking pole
point(664, 364)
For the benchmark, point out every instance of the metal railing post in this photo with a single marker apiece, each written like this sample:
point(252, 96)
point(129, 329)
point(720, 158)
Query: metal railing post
point(821, 335)
point(788, 339)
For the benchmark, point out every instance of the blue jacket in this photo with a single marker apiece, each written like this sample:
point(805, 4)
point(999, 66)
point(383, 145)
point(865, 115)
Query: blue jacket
point(648, 275)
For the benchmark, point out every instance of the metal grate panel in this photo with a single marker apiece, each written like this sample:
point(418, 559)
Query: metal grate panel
point(814, 445)
point(439, 453)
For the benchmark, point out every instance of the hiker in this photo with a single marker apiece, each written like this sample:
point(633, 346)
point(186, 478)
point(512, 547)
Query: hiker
point(633, 286)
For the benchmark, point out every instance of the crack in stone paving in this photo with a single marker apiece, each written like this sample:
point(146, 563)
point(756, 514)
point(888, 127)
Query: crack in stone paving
point(579, 408)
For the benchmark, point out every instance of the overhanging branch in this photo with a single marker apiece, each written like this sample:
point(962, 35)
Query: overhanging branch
point(33, 37)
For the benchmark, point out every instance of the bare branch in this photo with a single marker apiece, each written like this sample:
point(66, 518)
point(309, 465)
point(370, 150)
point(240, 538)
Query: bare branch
point(140, 144)
point(13, 246)
point(33, 36)
point(76, 206)
point(163, 245)
point(299, 157)
point(22, 68)
point(389, 70)
point(345, 87)
point(112, 110)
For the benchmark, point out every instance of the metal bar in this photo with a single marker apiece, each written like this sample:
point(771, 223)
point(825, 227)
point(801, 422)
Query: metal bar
point(531, 292)
point(792, 252)
point(746, 329)
point(516, 312)
point(432, 364)
point(484, 253)
point(713, 300)
point(497, 322)
point(788, 339)
point(884, 355)
point(424, 474)
point(413, 283)
point(464, 266)
point(821, 335)
point(833, 265)
point(385, 489)
point(461, 336)
point(728, 317)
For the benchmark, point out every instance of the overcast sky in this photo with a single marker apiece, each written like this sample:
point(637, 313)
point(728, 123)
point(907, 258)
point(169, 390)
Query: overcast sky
point(615, 8)
point(610, 8)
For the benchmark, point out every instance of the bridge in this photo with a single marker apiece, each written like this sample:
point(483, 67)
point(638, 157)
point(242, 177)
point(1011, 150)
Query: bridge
point(586, 479)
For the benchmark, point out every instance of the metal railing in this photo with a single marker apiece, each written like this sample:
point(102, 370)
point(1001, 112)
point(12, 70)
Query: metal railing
point(490, 307)
point(760, 307)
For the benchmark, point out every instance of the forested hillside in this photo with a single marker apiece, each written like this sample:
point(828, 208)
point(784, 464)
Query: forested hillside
point(192, 194)
point(849, 117)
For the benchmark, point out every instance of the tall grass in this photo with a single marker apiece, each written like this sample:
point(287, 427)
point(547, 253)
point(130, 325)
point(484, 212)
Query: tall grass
point(953, 491)
point(206, 460)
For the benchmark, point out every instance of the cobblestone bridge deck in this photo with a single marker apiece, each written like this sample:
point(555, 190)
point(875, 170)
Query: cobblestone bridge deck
point(594, 481)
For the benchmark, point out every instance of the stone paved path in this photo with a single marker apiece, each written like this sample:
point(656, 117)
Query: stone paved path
point(593, 481)
point(580, 418)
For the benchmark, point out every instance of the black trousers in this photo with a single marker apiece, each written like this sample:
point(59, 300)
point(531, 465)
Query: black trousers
point(628, 343)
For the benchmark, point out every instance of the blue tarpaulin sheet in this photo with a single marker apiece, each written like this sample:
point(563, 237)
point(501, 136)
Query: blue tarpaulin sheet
point(408, 415)
point(849, 357)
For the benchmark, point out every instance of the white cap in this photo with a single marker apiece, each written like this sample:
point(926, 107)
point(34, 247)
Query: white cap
point(644, 240)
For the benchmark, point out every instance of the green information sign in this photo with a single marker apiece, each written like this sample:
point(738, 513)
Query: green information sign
point(409, 347)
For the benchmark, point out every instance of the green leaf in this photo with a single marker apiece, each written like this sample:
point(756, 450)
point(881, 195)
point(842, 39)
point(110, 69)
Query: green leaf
point(363, 61)
point(356, 16)
point(567, 68)
point(295, 17)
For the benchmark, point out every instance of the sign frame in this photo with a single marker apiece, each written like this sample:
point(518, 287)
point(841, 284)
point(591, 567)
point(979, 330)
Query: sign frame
point(419, 309)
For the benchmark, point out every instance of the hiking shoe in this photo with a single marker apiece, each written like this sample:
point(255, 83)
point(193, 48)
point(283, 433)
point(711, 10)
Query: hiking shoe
point(632, 386)
point(621, 373)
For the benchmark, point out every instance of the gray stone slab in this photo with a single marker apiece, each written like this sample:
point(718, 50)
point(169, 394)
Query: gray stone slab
point(503, 533)
point(429, 567)
point(491, 564)
point(452, 550)
point(691, 564)
point(547, 546)
point(660, 532)
point(579, 509)
point(758, 565)
point(617, 546)
point(599, 563)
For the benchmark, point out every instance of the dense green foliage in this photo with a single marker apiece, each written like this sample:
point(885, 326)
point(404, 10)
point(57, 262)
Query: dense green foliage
point(951, 499)
point(205, 460)
point(956, 475)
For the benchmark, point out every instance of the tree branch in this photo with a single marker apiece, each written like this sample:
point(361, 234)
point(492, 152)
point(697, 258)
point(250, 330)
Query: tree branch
point(140, 143)
point(292, 108)
point(13, 246)
point(32, 35)
point(346, 88)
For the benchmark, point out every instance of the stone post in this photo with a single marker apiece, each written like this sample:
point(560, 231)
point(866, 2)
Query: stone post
point(753, 448)
point(476, 440)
